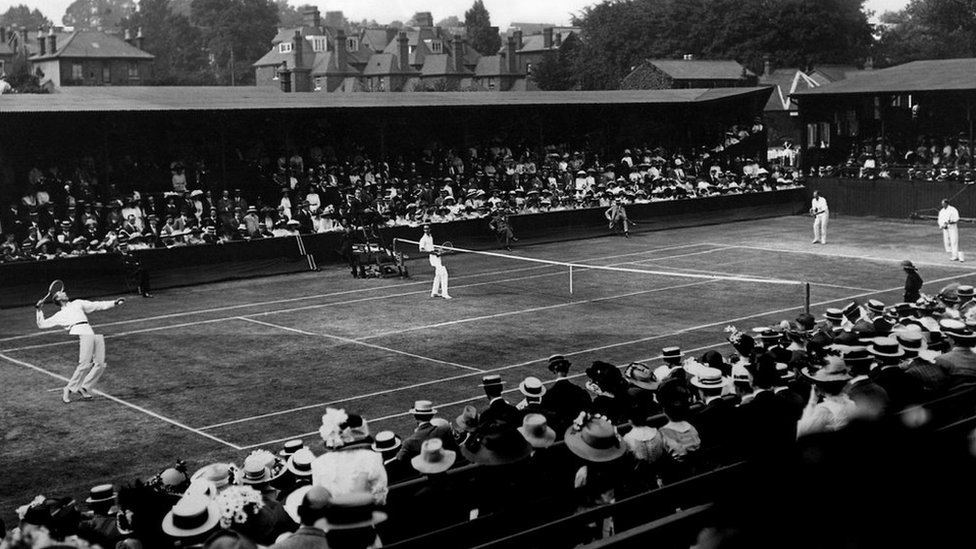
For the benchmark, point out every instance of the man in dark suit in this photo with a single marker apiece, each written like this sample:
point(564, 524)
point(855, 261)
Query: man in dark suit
point(499, 410)
point(564, 398)
point(102, 528)
point(423, 411)
point(767, 421)
point(311, 512)
point(871, 399)
point(716, 420)
point(960, 362)
point(388, 445)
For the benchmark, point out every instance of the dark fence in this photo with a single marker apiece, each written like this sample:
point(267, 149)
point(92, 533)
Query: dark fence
point(22, 283)
point(893, 198)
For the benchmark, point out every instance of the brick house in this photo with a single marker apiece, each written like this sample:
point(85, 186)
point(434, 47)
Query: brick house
point(89, 58)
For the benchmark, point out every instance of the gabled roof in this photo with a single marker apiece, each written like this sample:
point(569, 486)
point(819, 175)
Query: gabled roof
point(90, 44)
point(286, 35)
point(491, 65)
point(914, 77)
point(680, 69)
point(275, 57)
point(536, 42)
point(439, 65)
point(825, 74)
point(380, 64)
point(378, 39)
point(785, 82)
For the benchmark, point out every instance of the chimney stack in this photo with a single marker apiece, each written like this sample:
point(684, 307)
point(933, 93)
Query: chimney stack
point(139, 38)
point(297, 50)
point(767, 67)
point(340, 50)
point(518, 39)
point(311, 17)
point(547, 37)
point(557, 40)
point(3, 35)
point(52, 41)
point(128, 37)
point(424, 19)
point(284, 78)
point(458, 48)
point(510, 54)
point(403, 48)
point(23, 40)
point(41, 42)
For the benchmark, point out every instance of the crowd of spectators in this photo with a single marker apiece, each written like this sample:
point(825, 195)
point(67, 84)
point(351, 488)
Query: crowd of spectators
point(934, 158)
point(575, 446)
point(61, 214)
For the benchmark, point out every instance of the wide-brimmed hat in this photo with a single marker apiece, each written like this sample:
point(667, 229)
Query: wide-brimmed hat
point(886, 347)
point(351, 511)
point(102, 493)
point(221, 474)
point(433, 458)
point(532, 387)
point(499, 447)
point(671, 353)
point(835, 371)
point(950, 325)
point(423, 408)
point(191, 516)
point(640, 375)
point(558, 363)
point(536, 430)
point(300, 463)
point(710, 378)
point(304, 495)
point(386, 441)
point(468, 420)
point(595, 440)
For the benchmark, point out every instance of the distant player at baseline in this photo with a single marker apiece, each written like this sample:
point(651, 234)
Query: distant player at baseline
point(73, 317)
point(820, 214)
point(949, 223)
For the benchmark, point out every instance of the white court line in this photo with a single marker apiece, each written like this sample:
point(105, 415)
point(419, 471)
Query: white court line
point(344, 292)
point(573, 353)
point(760, 279)
point(124, 403)
point(354, 342)
point(530, 310)
point(443, 405)
point(842, 256)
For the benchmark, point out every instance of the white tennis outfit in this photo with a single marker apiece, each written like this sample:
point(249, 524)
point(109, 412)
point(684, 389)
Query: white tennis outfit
point(819, 204)
point(73, 317)
point(439, 288)
point(949, 223)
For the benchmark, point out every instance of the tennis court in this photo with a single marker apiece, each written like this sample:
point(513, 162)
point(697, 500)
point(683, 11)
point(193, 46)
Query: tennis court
point(211, 372)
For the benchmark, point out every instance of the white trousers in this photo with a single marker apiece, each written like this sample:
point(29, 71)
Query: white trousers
point(440, 282)
point(91, 362)
point(950, 239)
point(820, 228)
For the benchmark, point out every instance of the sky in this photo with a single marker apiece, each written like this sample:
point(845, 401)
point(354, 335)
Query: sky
point(503, 12)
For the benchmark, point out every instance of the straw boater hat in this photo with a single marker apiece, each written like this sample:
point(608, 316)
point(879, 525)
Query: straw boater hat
point(710, 378)
point(966, 292)
point(258, 471)
point(671, 353)
point(532, 387)
point(558, 363)
point(875, 306)
point(103, 493)
point(386, 441)
point(834, 315)
point(352, 511)
point(423, 408)
point(536, 431)
point(433, 458)
point(300, 463)
point(595, 440)
point(290, 448)
point(857, 357)
point(835, 371)
point(191, 516)
point(640, 375)
point(886, 347)
point(492, 380)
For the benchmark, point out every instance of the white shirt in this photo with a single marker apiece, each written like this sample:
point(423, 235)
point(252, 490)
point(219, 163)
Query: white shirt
point(427, 246)
point(819, 204)
point(73, 317)
point(948, 215)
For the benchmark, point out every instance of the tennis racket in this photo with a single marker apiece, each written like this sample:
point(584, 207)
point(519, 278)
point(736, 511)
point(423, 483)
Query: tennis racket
point(54, 288)
point(447, 247)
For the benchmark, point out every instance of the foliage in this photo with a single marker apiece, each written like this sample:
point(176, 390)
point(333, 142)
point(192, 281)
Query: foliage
point(928, 29)
point(481, 35)
point(450, 22)
point(21, 79)
point(556, 70)
point(181, 59)
point(97, 14)
point(21, 16)
point(288, 15)
point(236, 33)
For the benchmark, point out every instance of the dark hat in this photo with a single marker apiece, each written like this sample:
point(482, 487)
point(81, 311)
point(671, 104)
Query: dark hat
point(558, 363)
point(908, 265)
point(851, 311)
point(835, 371)
point(856, 357)
point(229, 539)
point(671, 353)
point(386, 441)
point(594, 439)
point(101, 494)
point(806, 321)
point(499, 447)
point(351, 511)
point(492, 380)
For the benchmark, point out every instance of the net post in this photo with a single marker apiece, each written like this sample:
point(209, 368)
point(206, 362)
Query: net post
point(806, 301)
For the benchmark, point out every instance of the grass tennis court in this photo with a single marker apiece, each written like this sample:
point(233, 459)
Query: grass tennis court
point(211, 372)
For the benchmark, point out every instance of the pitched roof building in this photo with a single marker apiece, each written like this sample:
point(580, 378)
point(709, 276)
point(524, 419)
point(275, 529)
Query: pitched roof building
point(688, 73)
point(87, 58)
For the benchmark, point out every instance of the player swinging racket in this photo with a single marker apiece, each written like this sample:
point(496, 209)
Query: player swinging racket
point(439, 287)
point(73, 317)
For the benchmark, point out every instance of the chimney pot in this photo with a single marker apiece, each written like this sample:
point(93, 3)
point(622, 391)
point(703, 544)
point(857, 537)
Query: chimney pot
point(340, 49)
point(52, 41)
point(403, 49)
point(311, 17)
point(557, 40)
point(458, 51)
point(128, 36)
point(140, 40)
point(510, 54)
point(547, 37)
point(41, 42)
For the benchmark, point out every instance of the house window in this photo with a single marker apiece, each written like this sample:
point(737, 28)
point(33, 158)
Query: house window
point(528, 68)
point(319, 43)
point(106, 73)
point(436, 46)
point(76, 72)
point(284, 47)
point(352, 43)
point(318, 83)
point(133, 70)
point(491, 83)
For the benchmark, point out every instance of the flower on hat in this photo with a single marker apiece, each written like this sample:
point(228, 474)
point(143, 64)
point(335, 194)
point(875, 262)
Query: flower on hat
point(22, 510)
point(331, 430)
point(585, 417)
point(237, 504)
point(735, 336)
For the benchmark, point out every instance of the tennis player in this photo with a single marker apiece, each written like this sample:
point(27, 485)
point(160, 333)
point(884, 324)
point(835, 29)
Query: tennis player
point(73, 317)
point(439, 288)
point(820, 214)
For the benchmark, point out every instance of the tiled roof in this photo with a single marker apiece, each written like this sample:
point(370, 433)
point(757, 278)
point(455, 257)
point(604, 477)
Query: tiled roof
point(440, 64)
point(917, 76)
point(379, 38)
point(90, 44)
point(680, 69)
point(491, 65)
point(834, 73)
point(536, 42)
point(785, 82)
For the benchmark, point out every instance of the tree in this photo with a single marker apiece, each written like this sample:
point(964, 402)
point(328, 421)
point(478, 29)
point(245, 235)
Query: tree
point(556, 70)
point(288, 15)
point(181, 58)
point(928, 29)
point(97, 14)
point(482, 36)
point(236, 33)
point(450, 22)
point(21, 16)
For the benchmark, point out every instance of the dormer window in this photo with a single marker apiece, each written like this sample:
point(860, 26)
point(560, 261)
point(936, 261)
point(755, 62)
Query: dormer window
point(284, 47)
point(436, 46)
point(319, 43)
point(352, 43)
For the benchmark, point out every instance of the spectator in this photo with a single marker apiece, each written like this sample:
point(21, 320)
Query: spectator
point(349, 464)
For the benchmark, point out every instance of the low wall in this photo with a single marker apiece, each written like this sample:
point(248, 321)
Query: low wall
point(892, 198)
point(23, 283)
